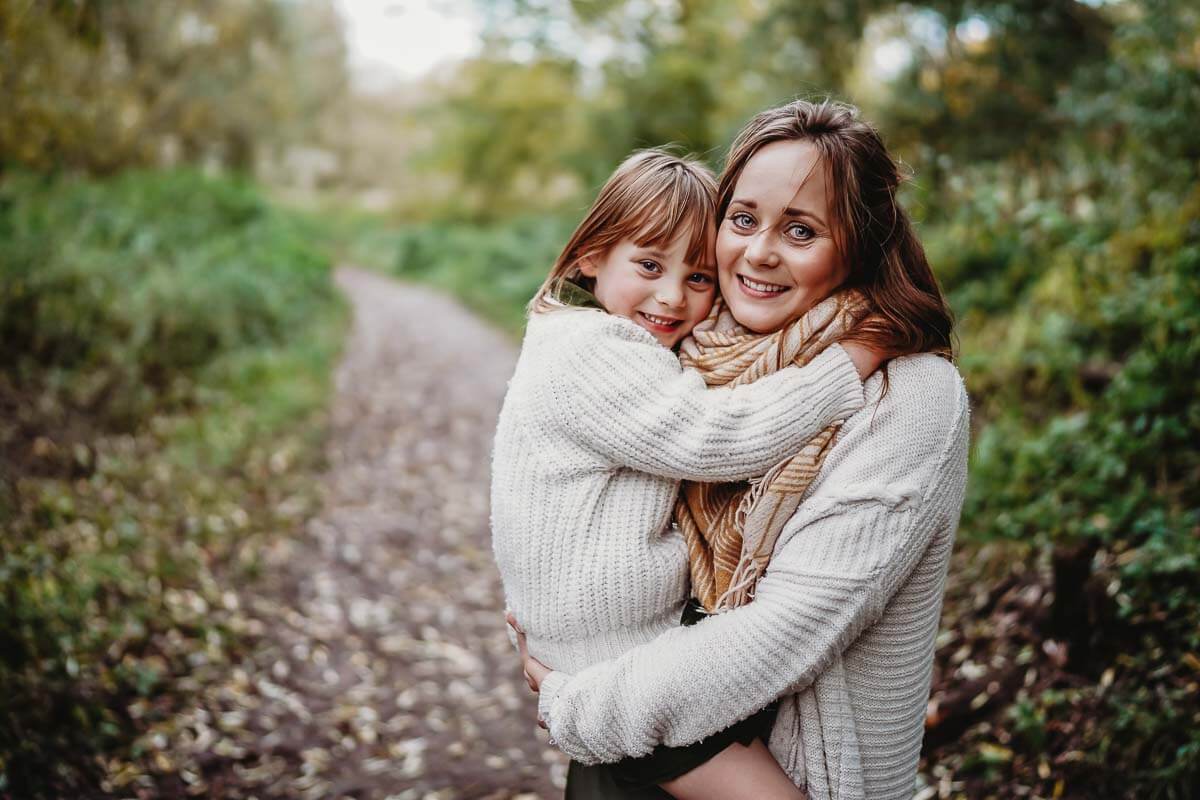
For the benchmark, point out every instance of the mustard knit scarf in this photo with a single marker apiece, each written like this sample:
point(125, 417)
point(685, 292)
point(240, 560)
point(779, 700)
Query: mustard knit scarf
point(731, 528)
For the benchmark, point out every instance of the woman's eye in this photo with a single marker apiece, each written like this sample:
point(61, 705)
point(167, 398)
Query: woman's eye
point(650, 266)
point(742, 220)
point(800, 232)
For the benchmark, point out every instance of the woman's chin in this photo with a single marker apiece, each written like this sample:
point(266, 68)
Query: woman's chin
point(768, 316)
point(757, 319)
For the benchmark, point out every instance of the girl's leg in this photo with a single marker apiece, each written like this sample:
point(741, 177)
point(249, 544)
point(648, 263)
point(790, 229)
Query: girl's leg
point(598, 782)
point(739, 772)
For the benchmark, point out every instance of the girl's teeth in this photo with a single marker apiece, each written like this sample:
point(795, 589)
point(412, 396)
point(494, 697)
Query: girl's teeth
point(761, 287)
point(659, 320)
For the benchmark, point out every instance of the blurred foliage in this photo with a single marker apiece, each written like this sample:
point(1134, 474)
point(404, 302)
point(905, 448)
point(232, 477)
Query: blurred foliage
point(494, 269)
point(133, 83)
point(168, 342)
point(121, 296)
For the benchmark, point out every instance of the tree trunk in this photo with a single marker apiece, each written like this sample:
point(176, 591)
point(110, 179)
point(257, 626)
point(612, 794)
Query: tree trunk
point(1071, 620)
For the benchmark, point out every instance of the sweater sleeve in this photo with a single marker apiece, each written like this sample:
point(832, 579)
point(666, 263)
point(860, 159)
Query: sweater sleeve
point(844, 555)
point(625, 397)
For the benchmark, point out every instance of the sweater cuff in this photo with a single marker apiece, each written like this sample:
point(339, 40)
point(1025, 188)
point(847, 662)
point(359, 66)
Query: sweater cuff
point(552, 684)
point(838, 372)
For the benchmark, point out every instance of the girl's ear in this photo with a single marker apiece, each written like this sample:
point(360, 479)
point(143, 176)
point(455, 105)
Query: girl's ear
point(587, 266)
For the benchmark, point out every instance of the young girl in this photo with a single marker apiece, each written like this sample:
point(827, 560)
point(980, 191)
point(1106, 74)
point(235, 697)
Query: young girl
point(600, 425)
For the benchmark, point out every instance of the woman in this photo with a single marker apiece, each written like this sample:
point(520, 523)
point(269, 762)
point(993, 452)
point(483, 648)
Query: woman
point(842, 624)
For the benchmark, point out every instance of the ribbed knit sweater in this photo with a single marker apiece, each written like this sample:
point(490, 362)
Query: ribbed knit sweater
point(599, 425)
point(843, 624)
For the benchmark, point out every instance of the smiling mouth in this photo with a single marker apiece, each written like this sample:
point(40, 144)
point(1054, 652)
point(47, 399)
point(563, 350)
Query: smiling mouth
point(760, 288)
point(663, 324)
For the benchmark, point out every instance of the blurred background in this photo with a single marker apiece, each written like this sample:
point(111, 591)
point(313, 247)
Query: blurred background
point(178, 178)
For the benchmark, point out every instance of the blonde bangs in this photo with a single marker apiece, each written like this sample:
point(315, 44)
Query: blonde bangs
point(681, 208)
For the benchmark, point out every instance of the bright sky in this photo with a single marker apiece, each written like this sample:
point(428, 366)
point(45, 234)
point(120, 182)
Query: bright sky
point(403, 39)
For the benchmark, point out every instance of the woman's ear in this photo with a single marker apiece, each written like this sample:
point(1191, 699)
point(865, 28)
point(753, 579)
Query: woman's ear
point(586, 266)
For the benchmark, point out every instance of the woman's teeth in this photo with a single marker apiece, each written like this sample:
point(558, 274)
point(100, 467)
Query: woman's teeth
point(759, 286)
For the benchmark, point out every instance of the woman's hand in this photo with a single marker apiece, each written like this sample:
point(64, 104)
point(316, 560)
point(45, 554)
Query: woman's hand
point(535, 671)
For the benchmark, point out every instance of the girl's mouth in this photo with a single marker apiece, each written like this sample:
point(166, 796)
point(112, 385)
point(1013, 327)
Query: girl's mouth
point(759, 289)
point(660, 324)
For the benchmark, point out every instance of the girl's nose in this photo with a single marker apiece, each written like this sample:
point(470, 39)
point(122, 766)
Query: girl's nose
point(670, 294)
point(760, 251)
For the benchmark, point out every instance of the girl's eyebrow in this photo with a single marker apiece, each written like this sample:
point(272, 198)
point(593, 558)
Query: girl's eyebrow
point(787, 212)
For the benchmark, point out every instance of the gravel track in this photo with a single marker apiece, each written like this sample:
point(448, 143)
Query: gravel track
point(382, 668)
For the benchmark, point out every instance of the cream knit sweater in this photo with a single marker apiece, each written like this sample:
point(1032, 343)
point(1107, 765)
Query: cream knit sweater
point(843, 624)
point(599, 425)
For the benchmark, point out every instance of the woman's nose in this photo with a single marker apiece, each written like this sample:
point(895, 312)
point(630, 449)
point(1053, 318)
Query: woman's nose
point(760, 251)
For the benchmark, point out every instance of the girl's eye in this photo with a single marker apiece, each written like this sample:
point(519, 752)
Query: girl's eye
point(650, 266)
point(741, 219)
point(800, 232)
point(701, 278)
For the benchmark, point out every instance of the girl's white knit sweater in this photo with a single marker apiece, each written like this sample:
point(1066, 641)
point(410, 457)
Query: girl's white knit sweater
point(599, 426)
point(843, 624)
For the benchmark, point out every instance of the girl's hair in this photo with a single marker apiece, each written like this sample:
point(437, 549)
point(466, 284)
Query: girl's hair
point(653, 198)
point(873, 234)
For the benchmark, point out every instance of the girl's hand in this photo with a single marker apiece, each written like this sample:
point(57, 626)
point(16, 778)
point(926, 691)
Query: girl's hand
point(535, 671)
point(864, 359)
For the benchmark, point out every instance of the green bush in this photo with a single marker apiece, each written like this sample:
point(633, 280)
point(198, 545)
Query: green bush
point(1085, 374)
point(116, 293)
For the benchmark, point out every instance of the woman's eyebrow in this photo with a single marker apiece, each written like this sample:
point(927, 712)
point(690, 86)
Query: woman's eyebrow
point(799, 212)
point(787, 212)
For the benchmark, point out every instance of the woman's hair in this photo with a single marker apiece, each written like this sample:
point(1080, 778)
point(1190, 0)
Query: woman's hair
point(873, 234)
point(653, 198)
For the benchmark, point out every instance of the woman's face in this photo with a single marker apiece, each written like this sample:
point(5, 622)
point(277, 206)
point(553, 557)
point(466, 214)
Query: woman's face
point(776, 256)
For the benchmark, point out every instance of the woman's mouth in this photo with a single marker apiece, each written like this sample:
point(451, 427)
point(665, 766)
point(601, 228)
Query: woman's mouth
point(760, 289)
point(659, 324)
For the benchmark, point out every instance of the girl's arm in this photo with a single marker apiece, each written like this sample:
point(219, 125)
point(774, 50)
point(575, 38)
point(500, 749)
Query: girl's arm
point(613, 389)
point(845, 554)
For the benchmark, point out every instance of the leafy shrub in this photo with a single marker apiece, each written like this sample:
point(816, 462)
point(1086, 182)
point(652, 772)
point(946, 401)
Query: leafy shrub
point(115, 292)
point(1086, 377)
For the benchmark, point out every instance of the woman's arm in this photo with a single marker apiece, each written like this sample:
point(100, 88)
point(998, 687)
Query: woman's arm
point(895, 482)
point(621, 394)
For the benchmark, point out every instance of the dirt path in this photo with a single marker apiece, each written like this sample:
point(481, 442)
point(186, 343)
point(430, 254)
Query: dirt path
point(383, 670)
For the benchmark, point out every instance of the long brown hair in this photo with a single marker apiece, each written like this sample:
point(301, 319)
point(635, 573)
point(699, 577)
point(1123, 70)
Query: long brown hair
point(874, 236)
point(652, 198)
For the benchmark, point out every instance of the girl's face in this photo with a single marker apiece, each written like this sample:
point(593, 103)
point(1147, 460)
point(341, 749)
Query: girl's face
point(654, 287)
point(776, 256)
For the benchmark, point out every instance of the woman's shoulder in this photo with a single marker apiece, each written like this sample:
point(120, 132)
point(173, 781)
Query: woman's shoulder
point(923, 382)
point(923, 412)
